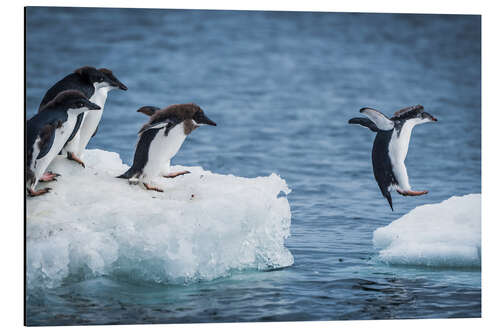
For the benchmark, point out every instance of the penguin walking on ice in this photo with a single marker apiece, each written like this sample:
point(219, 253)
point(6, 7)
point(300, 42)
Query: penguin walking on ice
point(95, 84)
point(48, 131)
point(150, 111)
point(161, 138)
point(391, 146)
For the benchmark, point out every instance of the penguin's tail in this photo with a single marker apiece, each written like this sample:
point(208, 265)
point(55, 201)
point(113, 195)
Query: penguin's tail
point(387, 195)
point(128, 174)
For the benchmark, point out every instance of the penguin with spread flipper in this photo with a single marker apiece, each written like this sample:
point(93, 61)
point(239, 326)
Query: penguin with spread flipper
point(391, 146)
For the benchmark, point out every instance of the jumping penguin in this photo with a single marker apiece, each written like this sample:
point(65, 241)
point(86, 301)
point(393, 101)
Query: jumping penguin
point(161, 138)
point(95, 84)
point(391, 146)
point(48, 131)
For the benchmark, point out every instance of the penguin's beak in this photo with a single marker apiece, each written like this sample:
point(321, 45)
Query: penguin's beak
point(92, 106)
point(206, 121)
point(120, 85)
point(429, 116)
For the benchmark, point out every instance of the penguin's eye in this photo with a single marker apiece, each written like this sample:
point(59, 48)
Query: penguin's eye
point(80, 105)
point(101, 79)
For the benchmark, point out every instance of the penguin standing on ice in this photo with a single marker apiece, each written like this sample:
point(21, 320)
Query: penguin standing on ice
point(150, 111)
point(95, 84)
point(48, 131)
point(161, 138)
point(391, 146)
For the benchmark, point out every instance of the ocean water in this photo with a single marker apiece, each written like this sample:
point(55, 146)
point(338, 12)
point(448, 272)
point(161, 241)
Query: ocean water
point(281, 87)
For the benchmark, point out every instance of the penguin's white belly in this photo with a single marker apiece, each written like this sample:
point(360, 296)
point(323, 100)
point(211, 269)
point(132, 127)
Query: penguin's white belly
point(162, 149)
point(60, 137)
point(36, 151)
point(91, 120)
point(398, 149)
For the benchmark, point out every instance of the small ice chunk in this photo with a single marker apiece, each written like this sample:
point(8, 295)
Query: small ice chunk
point(447, 234)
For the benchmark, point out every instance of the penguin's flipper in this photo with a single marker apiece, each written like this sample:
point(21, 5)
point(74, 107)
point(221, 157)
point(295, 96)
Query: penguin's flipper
point(380, 120)
point(364, 122)
point(382, 167)
point(78, 123)
point(47, 135)
point(157, 125)
point(141, 154)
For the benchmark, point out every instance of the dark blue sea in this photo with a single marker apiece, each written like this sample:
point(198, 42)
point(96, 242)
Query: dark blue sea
point(281, 87)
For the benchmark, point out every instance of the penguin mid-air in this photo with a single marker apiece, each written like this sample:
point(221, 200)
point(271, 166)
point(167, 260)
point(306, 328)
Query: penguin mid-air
point(48, 131)
point(161, 138)
point(391, 146)
point(95, 84)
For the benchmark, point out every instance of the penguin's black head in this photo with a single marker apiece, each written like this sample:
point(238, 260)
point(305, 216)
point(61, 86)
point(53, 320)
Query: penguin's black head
point(191, 115)
point(427, 117)
point(100, 77)
point(148, 110)
point(111, 79)
point(91, 74)
point(72, 101)
point(199, 117)
point(183, 112)
point(415, 112)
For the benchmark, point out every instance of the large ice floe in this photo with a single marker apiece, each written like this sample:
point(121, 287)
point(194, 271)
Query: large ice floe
point(447, 234)
point(203, 226)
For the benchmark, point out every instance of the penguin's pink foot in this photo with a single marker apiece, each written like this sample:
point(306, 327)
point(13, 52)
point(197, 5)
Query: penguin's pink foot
point(412, 193)
point(73, 157)
point(49, 176)
point(32, 193)
point(152, 188)
point(175, 174)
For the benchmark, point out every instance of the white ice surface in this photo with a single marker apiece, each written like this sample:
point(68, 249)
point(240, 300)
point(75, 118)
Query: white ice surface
point(203, 226)
point(447, 234)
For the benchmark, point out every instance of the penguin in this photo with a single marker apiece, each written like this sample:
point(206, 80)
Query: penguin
point(149, 111)
point(391, 146)
point(161, 138)
point(48, 131)
point(95, 84)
